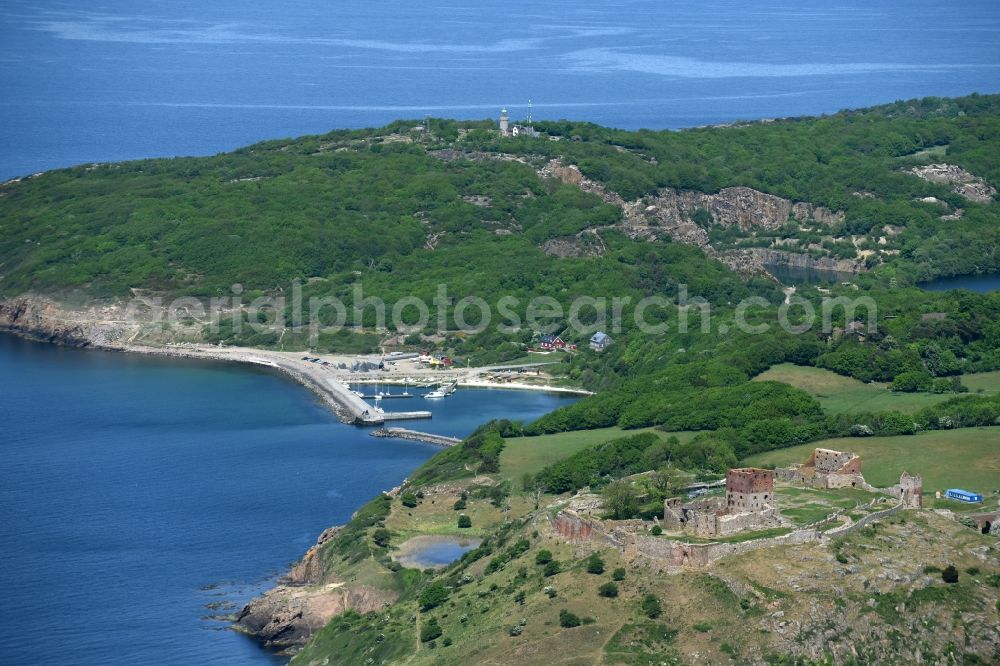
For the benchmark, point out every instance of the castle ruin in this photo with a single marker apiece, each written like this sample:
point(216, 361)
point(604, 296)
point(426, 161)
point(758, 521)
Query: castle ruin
point(748, 504)
point(829, 469)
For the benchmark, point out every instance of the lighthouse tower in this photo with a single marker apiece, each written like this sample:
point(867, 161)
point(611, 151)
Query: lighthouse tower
point(504, 123)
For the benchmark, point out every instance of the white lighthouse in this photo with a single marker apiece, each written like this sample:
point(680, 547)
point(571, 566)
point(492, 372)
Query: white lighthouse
point(504, 123)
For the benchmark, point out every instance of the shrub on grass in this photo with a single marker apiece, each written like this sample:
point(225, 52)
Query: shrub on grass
point(950, 574)
point(618, 574)
point(381, 537)
point(651, 607)
point(609, 590)
point(408, 500)
point(595, 564)
point(552, 568)
point(430, 630)
point(433, 595)
point(459, 505)
point(464, 521)
point(543, 556)
point(519, 548)
point(567, 619)
point(656, 531)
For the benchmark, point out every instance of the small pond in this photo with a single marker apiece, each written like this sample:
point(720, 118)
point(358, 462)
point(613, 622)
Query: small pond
point(426, 551)
point(794, 275)
point(982, 284)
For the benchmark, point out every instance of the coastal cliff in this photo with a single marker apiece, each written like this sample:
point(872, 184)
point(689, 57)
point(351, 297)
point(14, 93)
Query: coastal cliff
point(41, 318)
point(303, 602)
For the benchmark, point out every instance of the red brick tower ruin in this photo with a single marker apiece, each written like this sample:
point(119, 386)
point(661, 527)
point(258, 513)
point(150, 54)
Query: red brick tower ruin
point(749, 489)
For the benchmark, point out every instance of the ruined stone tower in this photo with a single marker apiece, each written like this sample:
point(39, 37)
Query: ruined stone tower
point(749, 489)
point(911, 490)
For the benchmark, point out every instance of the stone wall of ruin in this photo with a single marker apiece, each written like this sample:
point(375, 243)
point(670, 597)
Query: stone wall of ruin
point(667, 553)
point(825, 460)
point(664, 554)
point(740, 522)
point(834, 481)
point(864, 520)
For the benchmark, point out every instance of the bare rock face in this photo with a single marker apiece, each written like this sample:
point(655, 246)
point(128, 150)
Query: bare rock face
point(743, 207)
point(961, 181)
point(42, 319)
point(758, 257)
point(670, 213)
point(586, 244)
point(568, 174)
point(636, 223)
point(287, 616)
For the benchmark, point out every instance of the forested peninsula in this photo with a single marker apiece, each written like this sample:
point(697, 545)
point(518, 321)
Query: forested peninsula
point(706, 220)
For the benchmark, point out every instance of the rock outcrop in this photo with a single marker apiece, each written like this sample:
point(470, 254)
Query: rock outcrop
point(42, 319)
point(634, 224)
point(586, 244)
point(743, 207)
point(757, 259)
point(671, 213)
point(304, 601)
point(287, 616)
point(961, 182)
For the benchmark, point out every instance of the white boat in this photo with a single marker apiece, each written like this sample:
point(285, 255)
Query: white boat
point(435, 394)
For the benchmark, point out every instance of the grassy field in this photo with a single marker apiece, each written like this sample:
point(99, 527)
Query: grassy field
point(965, 458)
point(531, 454)
point(842, 395)
point(808, 505)
point(435, 515)
point(983, 382)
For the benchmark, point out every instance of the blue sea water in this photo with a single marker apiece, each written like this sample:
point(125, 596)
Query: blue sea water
point(134, 491)
point(84, 82)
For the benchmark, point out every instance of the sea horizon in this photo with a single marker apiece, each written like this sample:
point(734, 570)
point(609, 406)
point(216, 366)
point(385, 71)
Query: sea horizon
point(116, 84)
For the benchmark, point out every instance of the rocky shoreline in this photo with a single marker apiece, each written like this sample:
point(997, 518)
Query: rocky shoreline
point(285, 617)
